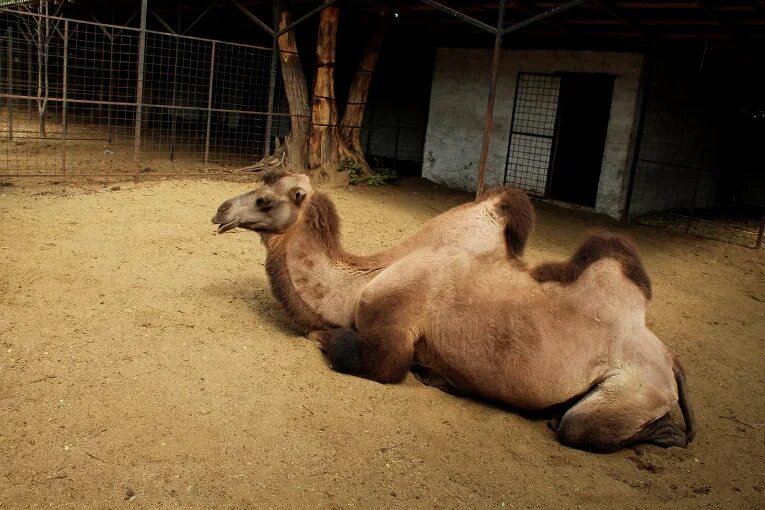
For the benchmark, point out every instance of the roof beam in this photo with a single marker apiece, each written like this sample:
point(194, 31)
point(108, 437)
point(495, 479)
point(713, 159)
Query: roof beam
point(543, 15)
point(617, 12)
point(719, 20)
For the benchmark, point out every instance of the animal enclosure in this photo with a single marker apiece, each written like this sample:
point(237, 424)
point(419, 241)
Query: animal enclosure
point(91, 98)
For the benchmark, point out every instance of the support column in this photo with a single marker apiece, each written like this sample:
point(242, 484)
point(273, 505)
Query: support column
point(209, 104)
point(489, 120)
point(272, 82)
point(139, 88)
point(64, 95)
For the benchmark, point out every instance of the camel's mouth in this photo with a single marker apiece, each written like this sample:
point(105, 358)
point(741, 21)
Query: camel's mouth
point(225, 227)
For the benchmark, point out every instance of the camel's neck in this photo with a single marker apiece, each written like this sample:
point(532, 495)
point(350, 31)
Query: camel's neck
point(316, 281)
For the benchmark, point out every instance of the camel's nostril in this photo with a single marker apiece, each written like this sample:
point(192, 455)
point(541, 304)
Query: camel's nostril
point(263, 203)
point(225, 206)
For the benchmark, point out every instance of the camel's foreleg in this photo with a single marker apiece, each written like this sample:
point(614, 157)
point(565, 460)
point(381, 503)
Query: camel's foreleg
point(383, 358)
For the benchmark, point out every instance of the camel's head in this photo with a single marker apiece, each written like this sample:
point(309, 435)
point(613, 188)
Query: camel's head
point(272, 208)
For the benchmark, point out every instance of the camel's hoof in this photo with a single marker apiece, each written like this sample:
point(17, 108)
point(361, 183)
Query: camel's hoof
point(317, 337)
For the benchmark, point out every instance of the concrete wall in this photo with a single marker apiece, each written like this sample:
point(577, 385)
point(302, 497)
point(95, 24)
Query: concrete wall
point(458, 104)
point(679, 162)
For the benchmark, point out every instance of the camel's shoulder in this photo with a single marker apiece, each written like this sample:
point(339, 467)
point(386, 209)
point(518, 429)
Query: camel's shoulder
point(597, 246)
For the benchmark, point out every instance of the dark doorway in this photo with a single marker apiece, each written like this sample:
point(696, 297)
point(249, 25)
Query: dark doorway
point(584, 105)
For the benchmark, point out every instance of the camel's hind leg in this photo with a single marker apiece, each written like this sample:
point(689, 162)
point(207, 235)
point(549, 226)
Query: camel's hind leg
point(617, 413)
point(383, 358)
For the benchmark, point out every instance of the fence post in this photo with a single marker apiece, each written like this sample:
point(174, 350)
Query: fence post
point(175, 85)
point(63, 95)
point(272, 82)
point(139, 89)
point(10, 83)
point(111, 84)
point(209, 104)
point(28, 92)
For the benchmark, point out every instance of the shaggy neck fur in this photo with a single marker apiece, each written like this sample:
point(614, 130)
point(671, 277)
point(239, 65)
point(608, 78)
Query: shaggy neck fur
point(316, 281)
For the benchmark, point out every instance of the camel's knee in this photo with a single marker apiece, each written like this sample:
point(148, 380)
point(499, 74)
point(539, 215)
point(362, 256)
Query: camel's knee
point(350, 353)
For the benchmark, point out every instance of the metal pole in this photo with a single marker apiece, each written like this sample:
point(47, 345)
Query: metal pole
point(29, 78)
point(490, 105)
point(139, 88)
point(645, 87)
point(175, 86)
point(111, 85)
point(272, 83)
point(209, 103)
point(63, 95)
point(10, 83)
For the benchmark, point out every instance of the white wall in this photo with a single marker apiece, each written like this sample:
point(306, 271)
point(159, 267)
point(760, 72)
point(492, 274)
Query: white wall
point(458, 105)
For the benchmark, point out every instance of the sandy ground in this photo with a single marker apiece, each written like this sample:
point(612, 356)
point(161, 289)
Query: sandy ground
point(145, 364)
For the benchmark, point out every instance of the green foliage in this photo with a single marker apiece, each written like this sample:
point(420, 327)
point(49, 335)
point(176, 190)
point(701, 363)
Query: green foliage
point(379, 177)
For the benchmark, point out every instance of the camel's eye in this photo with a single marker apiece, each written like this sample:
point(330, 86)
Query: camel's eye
point(297, 195)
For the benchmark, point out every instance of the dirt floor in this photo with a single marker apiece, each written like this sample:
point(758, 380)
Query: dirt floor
point(145, 364)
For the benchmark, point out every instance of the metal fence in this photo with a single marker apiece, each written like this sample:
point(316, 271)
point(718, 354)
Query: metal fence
point(85, 98)
point(82, 98)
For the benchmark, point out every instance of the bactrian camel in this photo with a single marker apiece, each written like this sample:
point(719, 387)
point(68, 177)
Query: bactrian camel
point(457, 299)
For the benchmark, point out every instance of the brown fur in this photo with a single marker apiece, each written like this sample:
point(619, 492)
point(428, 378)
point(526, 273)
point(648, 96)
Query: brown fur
point(516, 207)
point(595, 247)
point(457, 299)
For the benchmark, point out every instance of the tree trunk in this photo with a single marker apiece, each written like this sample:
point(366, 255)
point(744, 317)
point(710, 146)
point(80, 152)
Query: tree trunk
point(350, 127)
point(323, 142)
point(297, 96)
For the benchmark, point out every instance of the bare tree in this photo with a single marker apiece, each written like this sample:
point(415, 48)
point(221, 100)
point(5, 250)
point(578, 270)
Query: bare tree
point(319, 137)
point(44, 26)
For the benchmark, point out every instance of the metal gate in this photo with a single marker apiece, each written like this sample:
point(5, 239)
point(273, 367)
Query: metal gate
point(532, 132)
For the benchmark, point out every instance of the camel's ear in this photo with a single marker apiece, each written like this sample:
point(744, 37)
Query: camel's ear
point(297, 195)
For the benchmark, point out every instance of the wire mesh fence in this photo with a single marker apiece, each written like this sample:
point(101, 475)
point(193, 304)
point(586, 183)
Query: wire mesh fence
point(84, 98)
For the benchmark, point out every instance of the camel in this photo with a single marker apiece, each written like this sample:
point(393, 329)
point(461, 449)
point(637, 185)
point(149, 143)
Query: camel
point(457, 299)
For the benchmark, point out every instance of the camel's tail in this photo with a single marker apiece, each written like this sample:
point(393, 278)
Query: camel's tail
point(685, 405)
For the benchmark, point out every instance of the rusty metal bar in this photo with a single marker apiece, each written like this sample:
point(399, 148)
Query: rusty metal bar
point(541, 16)
point(139, 87)
point(489, 120)
point(173, 127)
point(111, 88)
point(304, 17)
point(63, 95)
point(209, 104)
point(10, 82)
point(272, 82)
point(244, 10)
point(464, 17)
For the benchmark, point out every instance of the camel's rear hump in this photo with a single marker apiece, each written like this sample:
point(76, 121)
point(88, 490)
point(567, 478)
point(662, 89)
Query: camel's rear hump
point(595, 247)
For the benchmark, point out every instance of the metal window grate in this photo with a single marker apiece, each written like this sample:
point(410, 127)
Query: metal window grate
point(532, 132)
